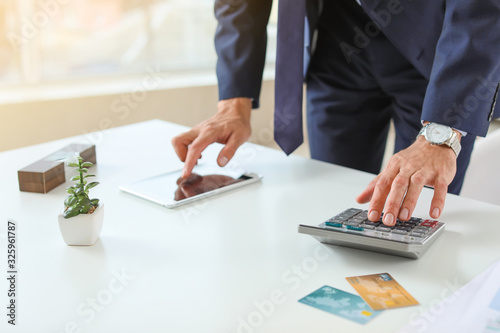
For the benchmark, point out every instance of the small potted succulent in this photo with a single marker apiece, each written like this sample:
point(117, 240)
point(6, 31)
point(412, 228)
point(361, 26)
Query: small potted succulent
point(81, 221)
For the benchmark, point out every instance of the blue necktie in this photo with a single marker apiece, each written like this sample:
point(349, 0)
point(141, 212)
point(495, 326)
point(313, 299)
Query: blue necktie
point(289, 76)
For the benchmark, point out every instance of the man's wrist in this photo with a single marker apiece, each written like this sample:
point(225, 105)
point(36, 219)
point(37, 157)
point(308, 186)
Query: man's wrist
point(237, 106)
point(236, 103)
point(437, 134)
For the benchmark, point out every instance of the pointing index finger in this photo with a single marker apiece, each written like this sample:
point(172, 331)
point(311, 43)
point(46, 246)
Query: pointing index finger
point(194, 153)
point(181, 143)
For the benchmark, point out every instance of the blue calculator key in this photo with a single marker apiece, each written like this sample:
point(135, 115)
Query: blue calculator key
point(333, 224)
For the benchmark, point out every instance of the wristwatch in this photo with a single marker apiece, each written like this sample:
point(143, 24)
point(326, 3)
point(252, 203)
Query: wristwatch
point(438, 134)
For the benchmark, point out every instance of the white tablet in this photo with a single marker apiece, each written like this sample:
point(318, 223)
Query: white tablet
point(164, 190)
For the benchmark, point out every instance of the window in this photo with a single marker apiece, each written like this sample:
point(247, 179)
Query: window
point(45, 41)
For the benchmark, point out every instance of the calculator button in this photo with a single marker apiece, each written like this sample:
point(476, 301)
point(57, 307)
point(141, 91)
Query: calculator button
point(368, 226)
point(400, 231)
point(354, 224)
point(406, 229)
point(363, 214)
point(333, 224)
point(429, 223)
point(417, 234)
point(416, 220)
point(352, 211)
point(357, 228)
point(422, 229)
point(383, 228)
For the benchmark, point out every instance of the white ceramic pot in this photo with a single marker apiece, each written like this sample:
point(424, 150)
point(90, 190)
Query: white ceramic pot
point(83, 229)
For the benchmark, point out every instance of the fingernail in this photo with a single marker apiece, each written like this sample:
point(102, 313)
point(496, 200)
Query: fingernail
point(183, 173)
point(223, 160)
point(389, 219)
point(373, 216)
point(404, 214)
point(435, 213)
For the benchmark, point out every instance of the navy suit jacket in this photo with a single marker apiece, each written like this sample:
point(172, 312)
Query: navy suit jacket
point(453, 43)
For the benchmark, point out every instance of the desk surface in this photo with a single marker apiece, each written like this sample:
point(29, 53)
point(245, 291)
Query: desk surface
point(232, 263)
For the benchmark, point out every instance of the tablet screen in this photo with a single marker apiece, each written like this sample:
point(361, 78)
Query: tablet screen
point(170, 190)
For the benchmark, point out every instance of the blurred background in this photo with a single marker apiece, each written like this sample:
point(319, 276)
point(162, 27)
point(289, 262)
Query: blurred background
point(68, 67)
point(50, 40)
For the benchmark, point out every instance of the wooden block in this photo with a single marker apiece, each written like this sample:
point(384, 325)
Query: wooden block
point(47, 173)
point(86, 151)
point(41, 176)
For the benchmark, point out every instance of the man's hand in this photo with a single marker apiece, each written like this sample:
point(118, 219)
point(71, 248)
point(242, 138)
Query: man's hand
point(398, 186)
point(229, 126)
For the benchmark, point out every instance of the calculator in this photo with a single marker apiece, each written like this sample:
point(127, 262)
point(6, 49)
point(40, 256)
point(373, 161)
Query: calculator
point(352, 228)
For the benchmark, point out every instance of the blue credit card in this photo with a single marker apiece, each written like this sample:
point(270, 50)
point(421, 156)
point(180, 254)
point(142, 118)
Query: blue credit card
point(340, 303)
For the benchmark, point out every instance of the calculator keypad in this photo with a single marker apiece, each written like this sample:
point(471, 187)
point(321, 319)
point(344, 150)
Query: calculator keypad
point(354, 220)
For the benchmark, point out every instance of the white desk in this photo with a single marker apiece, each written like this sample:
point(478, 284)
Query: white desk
point(206, 267)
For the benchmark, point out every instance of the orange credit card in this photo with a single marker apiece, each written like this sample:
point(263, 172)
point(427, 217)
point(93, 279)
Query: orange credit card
point(381, 291)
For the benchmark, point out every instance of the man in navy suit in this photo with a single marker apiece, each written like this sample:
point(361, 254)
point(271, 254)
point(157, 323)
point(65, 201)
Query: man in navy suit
point(418, 62)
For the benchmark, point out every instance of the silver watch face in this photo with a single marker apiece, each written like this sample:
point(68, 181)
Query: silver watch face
point(437, 134)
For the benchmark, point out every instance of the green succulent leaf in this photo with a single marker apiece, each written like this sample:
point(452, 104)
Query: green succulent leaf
point(83, 170)
point(70, 201)
point(80, 159)
point(83, 200)
point(79, 191)
point(91, 185)
point(70, 190)
point(70, 212)
point(74, 178)
point(87, 176)
point(95, 202)
point(86, 208)
point(87, 164)
point(73, 164)
point(82, 196)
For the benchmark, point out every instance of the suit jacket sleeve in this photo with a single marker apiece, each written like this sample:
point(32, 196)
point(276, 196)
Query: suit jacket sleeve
point(465, 74)
point(240, 43)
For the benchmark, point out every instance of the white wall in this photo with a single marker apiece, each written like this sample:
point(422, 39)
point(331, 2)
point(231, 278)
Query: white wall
point(35, 122)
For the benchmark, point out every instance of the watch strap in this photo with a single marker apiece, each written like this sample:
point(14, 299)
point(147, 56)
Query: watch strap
point(454, 143)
